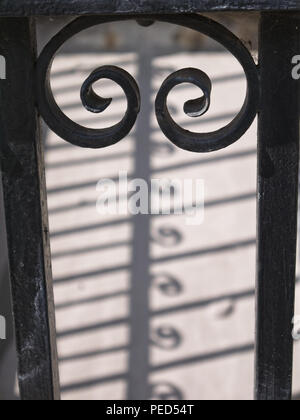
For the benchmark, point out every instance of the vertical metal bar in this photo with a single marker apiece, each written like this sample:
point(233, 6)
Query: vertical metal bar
point(22, 167)
point(278, 154)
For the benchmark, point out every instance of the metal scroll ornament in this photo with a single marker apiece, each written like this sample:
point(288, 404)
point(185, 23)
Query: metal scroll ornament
point(187, 140)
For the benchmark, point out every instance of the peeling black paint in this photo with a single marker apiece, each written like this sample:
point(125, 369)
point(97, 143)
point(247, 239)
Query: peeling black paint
point(84, 7)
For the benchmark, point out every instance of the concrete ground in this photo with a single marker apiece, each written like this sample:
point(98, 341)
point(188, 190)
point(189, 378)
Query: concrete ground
point(7, 347)
point(148, 307)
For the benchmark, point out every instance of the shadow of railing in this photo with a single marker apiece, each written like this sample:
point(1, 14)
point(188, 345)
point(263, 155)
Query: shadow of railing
point(147, 328)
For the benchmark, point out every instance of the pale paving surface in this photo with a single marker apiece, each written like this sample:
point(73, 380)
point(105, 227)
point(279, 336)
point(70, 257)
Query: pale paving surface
point(210, 317)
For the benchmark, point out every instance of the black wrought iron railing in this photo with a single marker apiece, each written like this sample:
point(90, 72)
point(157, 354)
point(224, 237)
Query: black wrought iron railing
point(272, 93)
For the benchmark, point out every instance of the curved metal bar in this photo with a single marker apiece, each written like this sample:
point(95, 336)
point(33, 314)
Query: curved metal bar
point(64, 126)
point(195, 142)
point(207, 142)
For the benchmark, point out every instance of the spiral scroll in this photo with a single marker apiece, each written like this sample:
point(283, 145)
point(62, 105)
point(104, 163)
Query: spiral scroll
point(187, 140)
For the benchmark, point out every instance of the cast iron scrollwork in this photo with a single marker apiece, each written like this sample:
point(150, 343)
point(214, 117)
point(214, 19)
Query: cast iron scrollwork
point(187, 140)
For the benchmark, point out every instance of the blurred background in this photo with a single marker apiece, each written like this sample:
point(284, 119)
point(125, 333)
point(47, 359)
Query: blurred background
point(148, 307)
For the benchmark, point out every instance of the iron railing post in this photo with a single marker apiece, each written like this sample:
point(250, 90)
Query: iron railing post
point(278, 155)
point(25, 201)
